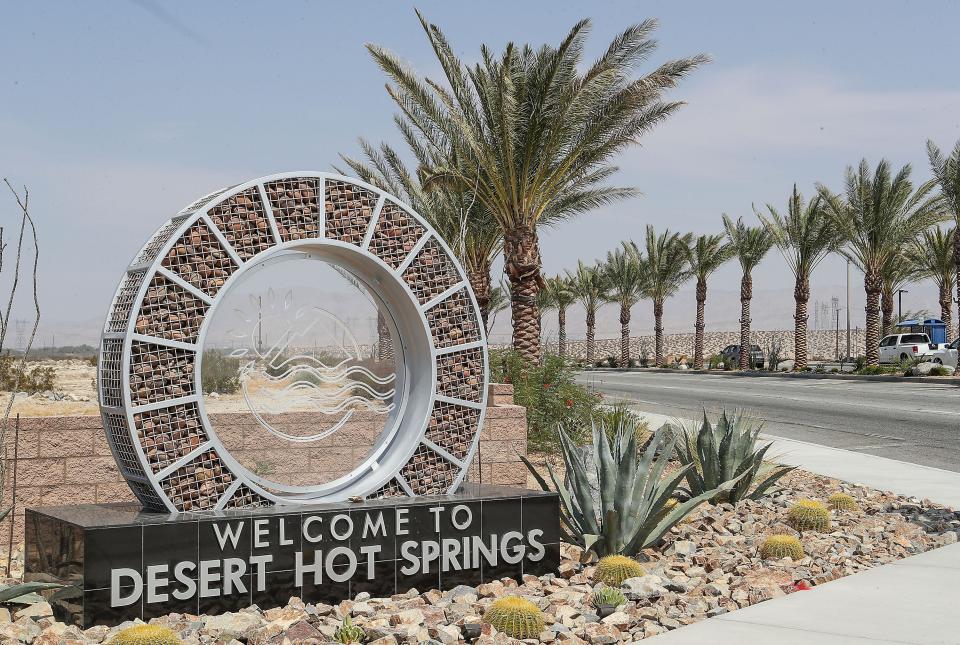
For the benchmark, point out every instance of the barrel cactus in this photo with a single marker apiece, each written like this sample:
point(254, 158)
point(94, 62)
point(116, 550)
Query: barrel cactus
point(809, 515)
point(146, 635)
point(347, 632)
point(516, 617)
point(779, 546)
point(842, 502)
point(614, 569)
point(607, 596)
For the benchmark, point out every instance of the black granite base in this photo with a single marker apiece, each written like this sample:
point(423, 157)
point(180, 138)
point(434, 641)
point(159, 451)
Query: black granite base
point(120, 563)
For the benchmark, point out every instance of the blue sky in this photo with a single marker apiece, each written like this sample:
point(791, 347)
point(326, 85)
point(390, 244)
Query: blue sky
point(117, 114)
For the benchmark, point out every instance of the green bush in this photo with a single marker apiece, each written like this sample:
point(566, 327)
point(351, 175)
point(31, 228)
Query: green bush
point(619, 415)
point(220, 373)
point(715, 362)
point(552, 399)
point(938, 370)
point(20, 376)
point(348, 633)
point(607, 596)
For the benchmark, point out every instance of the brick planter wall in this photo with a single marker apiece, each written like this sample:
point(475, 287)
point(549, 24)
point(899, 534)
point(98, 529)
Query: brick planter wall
point(66, 460)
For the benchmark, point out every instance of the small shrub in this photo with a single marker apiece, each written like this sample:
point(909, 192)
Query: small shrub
point(809, 515)
point(715, 362)
point(842, 502)
point(939, 370)
point(619, 415)
point(14, 374)
point(779, 546)
point(220, 373)
point(614, 569)
point(516, 617)
point(146, 635)
point(347, 632)
point(859, 363)
point(607, 596)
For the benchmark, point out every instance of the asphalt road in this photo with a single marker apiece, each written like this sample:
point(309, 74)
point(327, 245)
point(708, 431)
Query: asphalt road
point(913, 422)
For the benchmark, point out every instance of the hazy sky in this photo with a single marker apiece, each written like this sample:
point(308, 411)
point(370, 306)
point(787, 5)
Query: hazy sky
point(117, 114)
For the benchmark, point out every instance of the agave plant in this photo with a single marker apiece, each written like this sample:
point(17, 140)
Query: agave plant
point(634, 509)
point(724, 458)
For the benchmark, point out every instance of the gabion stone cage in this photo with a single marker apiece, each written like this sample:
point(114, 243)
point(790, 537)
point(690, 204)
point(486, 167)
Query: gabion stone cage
point(151, 349)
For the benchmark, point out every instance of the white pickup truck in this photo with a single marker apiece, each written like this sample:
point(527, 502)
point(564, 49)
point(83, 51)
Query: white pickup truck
point(945, 354)
point(898, 348)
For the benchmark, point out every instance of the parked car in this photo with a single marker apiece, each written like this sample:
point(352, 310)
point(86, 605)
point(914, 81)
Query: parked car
point(946, 354)
point(732, 354)
point(898, 348)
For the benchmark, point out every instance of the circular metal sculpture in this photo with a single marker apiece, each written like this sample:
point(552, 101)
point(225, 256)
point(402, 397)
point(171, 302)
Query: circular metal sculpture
point(152, 348)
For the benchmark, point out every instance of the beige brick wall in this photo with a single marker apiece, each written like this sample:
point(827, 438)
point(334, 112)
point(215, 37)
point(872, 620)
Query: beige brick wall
point(66, 460)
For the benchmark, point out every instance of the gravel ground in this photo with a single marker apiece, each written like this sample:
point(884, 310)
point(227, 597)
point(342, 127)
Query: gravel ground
point(708, 565)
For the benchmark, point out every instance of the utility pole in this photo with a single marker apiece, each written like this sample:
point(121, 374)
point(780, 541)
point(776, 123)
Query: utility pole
point(848, 307)
point(837, 337)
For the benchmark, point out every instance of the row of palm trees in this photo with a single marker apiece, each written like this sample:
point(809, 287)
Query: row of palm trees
point(526, 138)
point(886, 227)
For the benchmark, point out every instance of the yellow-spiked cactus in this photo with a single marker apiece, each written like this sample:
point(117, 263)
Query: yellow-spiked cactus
point(516, 617)
point(809, 515)
point(146, 635)
point(779, 546)
point(842, 502)
point(614, 569)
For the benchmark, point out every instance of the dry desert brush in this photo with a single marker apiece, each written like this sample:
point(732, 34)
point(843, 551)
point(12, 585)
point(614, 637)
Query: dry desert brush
point(724, 457)
point(633, 508)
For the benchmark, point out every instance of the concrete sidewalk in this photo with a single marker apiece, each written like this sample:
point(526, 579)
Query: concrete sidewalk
point(914, 601)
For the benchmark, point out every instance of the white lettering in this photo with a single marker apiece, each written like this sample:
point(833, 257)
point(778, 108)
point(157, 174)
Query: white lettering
point(231, 531)
point(451, 549)
point(413, 560)
point(233, 569)
point(208, 576)
point(402, 520)
point(284, 540)
point(259, 563)
point(316, 568)
point(505, 549)
point(533, 537)
point(259, 530)
point(370, 551)
point(430, 552)
point(333, 527)
point(480, 548)
point(306, 529)
point(156, 577)
point(373, 528)
point(116, 578)
point(436, 510)
point(461, 508)
point(180, 573)
point(351, 567)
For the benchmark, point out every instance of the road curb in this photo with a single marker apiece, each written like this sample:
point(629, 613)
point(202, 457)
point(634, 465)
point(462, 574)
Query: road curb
point(883, 378)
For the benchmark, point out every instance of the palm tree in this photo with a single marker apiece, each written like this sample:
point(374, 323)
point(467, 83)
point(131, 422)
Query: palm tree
point(531, 133)
point(626, 279)
point(897, 271)
point(932, 255)
point(456, 215)
point(705, 254)
point(946, 172)
point(545, 303)
point(589, 284)
point(562, 295)
point(666, 267)
point(805, 235)
point(749, 244)
point(876, 216)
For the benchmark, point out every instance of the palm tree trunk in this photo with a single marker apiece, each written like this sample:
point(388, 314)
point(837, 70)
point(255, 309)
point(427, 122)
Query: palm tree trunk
point(801, 294)
point(699, 326)
point(886, 307)
point(746, 293)
point(658, 333)
point(591, 328)
point(384, 341)
point(522, 263)
point(946, 307)
point(479, 279)
point(871, 286)
point(562, 331)
point(624, 335)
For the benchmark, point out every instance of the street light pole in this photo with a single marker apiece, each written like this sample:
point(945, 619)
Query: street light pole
point(837, 336)
point(900, 293)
